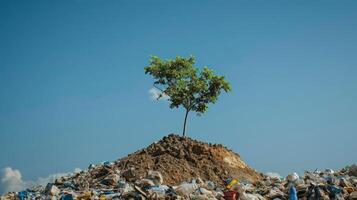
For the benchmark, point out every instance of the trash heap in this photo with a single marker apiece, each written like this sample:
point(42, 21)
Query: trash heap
point(102, 183)
point(182, 168)
point(324, 185)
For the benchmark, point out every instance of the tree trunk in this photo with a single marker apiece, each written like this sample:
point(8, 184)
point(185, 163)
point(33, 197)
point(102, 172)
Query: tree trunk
point(184, 124)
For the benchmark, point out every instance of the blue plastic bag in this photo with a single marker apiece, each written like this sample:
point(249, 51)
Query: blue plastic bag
point(292, 193)
point(22, 195)
point(67, 197)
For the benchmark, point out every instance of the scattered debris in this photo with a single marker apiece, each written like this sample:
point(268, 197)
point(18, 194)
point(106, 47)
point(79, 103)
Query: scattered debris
point(209, 178)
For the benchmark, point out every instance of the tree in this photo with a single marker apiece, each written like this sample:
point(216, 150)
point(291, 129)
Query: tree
point(186, 85)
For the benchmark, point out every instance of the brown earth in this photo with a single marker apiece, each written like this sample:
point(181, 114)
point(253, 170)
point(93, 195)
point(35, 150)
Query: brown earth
point(182, 159)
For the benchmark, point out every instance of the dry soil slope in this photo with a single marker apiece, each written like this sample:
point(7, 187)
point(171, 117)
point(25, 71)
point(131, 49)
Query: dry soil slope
point(181, 159)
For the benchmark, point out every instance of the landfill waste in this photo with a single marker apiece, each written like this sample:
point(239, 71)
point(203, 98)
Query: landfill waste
point(292, 177)
point(113, 181)
point(185, 189)
point(292, 193)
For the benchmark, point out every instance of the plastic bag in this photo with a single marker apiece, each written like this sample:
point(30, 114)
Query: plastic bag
point(186, 188)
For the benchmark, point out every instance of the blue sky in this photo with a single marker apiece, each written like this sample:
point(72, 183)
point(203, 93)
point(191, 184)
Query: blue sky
point(73, 89)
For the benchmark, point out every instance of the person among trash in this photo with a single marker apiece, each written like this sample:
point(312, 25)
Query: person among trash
point(231, 192)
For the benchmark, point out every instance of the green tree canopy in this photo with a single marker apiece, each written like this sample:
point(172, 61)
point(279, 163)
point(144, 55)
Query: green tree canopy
point(186, 85)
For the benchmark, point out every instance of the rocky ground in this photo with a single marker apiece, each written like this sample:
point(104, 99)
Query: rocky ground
point(182, 168)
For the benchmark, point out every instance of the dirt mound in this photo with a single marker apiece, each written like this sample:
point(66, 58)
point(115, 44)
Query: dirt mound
point(181, 159)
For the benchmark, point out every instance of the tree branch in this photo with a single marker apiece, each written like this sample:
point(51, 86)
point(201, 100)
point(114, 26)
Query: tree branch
point(158, 88)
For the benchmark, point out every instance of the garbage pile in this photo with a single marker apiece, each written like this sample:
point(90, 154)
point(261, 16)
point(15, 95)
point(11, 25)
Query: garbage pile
point(325, 185)
point(104, 183)
point(182, 168)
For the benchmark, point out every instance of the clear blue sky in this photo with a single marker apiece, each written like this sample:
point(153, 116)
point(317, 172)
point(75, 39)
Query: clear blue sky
point(73, 89)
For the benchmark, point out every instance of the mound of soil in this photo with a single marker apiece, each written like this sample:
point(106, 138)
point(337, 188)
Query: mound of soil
point(182, 159)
